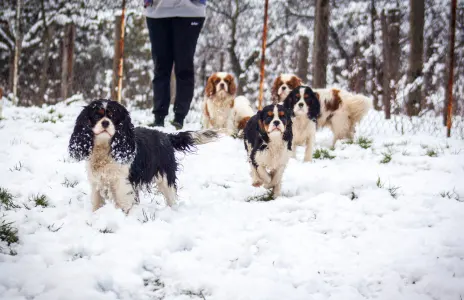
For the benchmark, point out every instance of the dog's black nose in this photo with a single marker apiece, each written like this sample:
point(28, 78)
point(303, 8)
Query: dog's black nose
point(276, 123)
point(105, 124)
point(300, 104)
point(284, 88)
point(222, 85)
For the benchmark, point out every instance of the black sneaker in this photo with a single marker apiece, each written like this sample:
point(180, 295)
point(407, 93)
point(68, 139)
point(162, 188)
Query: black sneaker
point(159, 122)
point(178, 123)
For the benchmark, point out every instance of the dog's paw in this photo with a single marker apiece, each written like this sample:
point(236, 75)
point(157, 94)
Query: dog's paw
point(257, 184)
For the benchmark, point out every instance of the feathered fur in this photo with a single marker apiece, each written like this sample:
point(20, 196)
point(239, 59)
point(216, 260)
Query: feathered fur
point(268, 142)
point(122, 159)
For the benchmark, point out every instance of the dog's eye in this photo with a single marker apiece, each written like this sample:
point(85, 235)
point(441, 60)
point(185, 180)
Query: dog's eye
point(298, 95)
point(306, 96)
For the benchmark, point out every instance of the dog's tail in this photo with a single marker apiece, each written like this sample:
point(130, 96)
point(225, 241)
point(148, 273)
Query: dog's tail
point(358, 106)
point(187, 140)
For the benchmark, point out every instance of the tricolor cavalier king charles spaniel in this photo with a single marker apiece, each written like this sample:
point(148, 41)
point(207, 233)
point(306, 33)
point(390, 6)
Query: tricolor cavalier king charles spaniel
point(219, 101)
point(305, 108)
point(122, 159)
point(340, 109)
point(268, 142)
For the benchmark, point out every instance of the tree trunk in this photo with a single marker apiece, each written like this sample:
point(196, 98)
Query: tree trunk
point(49, 32)
point(416, 39)
point(391, 55)
point(303, 55)
point(321, 37)
point(374, 82)
point(222, 59)
point(17, 52)
point(67, 61)
point(449, 94)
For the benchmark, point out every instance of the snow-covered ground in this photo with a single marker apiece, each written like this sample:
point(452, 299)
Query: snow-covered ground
point(345, 228)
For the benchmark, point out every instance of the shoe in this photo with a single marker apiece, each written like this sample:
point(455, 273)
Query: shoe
point(159, 122)
point(178, 123)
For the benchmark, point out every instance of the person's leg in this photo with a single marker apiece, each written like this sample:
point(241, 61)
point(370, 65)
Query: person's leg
point(185, 35)
point(160, 31)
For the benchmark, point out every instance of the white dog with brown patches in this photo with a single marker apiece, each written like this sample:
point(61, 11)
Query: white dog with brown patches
point(219, 101)
point(341, 110)
point(241, 113)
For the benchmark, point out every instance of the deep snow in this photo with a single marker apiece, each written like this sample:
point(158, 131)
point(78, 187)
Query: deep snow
point(334, 234)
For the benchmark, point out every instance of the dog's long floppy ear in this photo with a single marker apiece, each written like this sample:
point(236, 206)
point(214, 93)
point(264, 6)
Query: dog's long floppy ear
point(260, 127)
point(210, 86)
point(123, 144)
point(81, 141)
point(232, 85)
point(274, 91)
point(288, 134)
point(314, 107)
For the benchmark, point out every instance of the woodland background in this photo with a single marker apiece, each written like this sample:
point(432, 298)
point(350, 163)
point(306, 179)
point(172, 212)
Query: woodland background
point(394, 51)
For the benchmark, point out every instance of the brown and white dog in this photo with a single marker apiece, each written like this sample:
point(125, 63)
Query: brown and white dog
point(283, 85)
point(241, 113)
point(219, 101)
point(340, 109)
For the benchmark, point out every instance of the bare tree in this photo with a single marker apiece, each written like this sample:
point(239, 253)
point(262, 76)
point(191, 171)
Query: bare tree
point(67, 62)
point(416, 61)
point(391, 57)
point(17, 52)
point(374, 82)
point(321, 38)
point(303, 55)
point(49, 30)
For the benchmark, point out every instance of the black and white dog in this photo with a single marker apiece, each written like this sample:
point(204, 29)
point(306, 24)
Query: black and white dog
point(122, 159)
point(306, 108)
point(268, 142)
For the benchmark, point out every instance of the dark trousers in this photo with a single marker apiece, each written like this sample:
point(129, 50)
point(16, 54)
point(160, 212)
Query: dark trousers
point(173, 40)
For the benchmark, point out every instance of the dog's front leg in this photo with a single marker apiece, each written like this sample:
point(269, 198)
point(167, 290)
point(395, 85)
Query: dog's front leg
point(97, 199)
point(124, 194)
point(310, 143)
point(263, 174)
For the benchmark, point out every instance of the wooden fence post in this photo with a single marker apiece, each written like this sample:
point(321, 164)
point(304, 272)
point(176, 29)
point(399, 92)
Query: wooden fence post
point(263, 57)
point(118, 59)
point(451, 67)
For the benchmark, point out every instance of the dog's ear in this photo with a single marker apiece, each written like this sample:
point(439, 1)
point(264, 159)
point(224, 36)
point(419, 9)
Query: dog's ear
point(314, 107)
point(210, 86)
point(288, 134)
point(288, 103)
point(232, 85)
point(275, 89)
point(81, 141)
point(260, 127)
point(123, 142)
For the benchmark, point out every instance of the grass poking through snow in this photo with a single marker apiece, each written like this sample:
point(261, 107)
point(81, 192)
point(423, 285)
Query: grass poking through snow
point(322, 154)
point(431, 153)
point(40, 200)
point(265, 197)
point(387, 157)
point(6, 199)
point(392, 189)
point(364, 142)
point(8, 233)
point(451, 195)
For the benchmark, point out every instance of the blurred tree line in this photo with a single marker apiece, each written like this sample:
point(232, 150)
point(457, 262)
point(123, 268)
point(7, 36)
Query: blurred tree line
point(394, 51)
